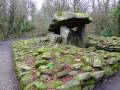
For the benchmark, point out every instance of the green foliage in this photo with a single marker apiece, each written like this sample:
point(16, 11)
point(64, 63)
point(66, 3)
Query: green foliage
point(14, 18)
point(112, 24)
point(21, 25)
point(40, 85)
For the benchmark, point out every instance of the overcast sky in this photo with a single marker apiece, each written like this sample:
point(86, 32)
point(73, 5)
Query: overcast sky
point(39, 3)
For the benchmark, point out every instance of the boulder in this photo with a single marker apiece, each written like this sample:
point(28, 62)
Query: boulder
point(54, 38)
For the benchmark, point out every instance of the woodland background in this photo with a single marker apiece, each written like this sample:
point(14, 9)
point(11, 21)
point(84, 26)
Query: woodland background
point(21, 18)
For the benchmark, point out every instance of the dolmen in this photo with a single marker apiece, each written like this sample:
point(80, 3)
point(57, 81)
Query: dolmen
point(69, 28)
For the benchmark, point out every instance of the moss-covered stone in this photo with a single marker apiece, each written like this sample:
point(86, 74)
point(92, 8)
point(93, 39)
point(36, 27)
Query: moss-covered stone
point(71, 85)
point(87, 68)
point(83, 76)
point(46, 55)
point(62, 61)
point(40, 85)
point(25, 80)
point(98, 74)
point(55, 84)
point(62, 74)
point(41, 62)
point(77, 66)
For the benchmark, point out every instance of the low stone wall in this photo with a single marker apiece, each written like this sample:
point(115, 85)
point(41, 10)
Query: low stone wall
point(111, 44)
point(43, 66)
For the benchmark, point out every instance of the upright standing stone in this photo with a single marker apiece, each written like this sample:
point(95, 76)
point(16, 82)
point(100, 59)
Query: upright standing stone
point(64, 32)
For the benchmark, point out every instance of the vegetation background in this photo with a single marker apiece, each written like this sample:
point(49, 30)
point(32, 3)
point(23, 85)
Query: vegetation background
point(21, 18)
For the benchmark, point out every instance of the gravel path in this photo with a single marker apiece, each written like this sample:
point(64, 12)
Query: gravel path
point(112, 83)
point(8, 79)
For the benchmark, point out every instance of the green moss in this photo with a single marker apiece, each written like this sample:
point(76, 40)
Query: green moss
point(67, 59)
point(41, 62)
point(40, 85)
point(55, 84)
point(60, 57)
point(89, 82)
point(29, 87)
point(108, 72)
point(71, 85)
point(79, 15)
point(25, 80)
point(87, 68)
point(59, 13)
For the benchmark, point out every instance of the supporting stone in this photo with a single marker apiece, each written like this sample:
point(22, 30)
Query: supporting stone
point(77, 37)
point(64, 32)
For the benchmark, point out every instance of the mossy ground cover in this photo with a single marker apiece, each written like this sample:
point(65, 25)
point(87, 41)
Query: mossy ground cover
point(43, 66)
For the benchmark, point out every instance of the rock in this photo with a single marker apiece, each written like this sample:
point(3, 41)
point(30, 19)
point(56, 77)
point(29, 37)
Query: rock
point(111, 61)
point(25, 80)
point(87, 60)
point(69, 85)
point(22, 67)
point(50, 71)
point(46, 55)
point(73, 73)
point(77, 60)
point(21, 73)
point(76, 66)
point(42, 68)
point(83, 76)
point(55, 84)
point(44, 77)
point(105, 43)
point(54, 38)
point(97, 63)
point(29, 87)
point(41, 62)
point(40, 85)
point(62, 74)
point(98, 74)
point(87, 68)
point(40, 50)
point(54, 70)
